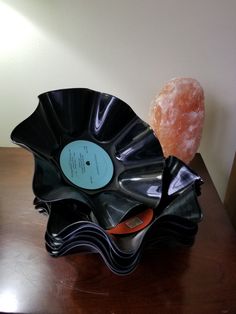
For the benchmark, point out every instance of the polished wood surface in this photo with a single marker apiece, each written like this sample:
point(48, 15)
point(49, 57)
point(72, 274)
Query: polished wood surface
point(198, 280)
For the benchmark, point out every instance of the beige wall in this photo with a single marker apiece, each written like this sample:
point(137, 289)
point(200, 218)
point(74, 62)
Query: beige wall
point(128, 48)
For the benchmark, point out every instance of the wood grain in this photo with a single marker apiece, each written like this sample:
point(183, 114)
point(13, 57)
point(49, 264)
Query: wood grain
point(193, 281)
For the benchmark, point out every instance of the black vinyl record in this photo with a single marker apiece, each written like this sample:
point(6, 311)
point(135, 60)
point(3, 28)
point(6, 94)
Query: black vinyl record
point(97, 165)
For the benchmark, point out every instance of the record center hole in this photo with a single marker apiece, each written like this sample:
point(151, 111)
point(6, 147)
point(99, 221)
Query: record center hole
point(88, 163)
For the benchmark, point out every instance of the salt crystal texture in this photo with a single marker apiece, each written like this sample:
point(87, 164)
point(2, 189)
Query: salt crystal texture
point(177, 117)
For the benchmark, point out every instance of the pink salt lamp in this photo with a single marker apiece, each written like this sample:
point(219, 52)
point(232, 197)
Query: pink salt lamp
point(177, 117)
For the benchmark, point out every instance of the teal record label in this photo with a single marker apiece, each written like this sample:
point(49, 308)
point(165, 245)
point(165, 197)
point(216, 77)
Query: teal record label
point(86, 165)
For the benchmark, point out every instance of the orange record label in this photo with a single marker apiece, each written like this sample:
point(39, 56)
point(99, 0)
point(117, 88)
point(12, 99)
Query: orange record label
point(134, 223)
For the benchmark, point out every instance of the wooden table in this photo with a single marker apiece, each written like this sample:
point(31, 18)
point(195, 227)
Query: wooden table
point(198, 280)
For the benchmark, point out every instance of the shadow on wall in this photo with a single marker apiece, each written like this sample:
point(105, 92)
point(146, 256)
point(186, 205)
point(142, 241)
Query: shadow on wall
point(213, 138)
point(101, 36)
point(230, 196)
point(109, 35)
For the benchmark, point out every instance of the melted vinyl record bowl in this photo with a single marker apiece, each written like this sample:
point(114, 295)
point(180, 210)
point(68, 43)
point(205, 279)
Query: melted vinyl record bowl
point(94, 155)
point(70, 230)
point(92, 147)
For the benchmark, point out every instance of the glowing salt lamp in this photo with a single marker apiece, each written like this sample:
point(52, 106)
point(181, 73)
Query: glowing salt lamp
point(177, 117)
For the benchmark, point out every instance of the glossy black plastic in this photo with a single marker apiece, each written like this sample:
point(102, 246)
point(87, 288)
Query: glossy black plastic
point(64, 116)
point(142, 178)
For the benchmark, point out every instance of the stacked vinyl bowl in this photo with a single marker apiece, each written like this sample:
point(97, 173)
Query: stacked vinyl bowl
point(101, 177)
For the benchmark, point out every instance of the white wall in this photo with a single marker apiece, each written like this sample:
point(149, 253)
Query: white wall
point(128, 48)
